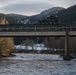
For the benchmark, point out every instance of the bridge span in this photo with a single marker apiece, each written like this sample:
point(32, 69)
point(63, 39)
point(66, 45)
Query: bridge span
point(37, 33)
point(40, 30)
point(37, 30)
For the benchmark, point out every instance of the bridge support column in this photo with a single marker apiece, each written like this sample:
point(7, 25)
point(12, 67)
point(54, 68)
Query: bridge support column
point(66, 51)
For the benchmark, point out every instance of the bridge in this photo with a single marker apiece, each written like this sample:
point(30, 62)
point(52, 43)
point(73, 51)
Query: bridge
point(40, 30)
point(37, 30)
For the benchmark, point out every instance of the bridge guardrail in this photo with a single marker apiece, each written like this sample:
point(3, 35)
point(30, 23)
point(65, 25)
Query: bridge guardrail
point(35, 27)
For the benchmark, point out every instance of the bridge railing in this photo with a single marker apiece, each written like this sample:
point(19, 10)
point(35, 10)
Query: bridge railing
point(35, 27)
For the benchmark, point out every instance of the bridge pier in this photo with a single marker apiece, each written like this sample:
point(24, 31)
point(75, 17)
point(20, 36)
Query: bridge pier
point(66, 51)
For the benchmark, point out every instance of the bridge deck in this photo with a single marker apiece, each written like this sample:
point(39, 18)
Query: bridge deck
point(38, 33)
point(37, 30)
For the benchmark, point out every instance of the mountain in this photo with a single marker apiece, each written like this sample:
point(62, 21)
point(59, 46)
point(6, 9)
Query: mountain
point(21, 19)
point(34, 19)
point(51, 11)
point(68, 16)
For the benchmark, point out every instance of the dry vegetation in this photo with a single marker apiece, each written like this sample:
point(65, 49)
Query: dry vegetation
point(6, 46)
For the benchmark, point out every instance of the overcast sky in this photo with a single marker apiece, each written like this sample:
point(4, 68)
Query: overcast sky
point(31, 7)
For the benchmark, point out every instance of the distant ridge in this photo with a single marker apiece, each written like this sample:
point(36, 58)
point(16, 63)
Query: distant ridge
point(66, 16)
point(21, 19)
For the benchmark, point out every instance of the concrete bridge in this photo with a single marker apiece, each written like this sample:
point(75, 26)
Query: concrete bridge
point(60, 33)
point(40, 30)
point(37, 30)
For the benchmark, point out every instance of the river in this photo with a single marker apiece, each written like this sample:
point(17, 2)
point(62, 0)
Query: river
point(36, 64)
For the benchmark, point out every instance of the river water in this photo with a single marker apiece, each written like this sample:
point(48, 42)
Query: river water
point(37, 64)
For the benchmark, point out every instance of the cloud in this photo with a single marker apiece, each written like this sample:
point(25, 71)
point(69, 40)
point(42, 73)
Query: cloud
point(63, 3)
point(27, 8)
point(30, 7)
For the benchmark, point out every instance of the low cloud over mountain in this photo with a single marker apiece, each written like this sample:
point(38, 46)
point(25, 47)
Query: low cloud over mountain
point(32, 7)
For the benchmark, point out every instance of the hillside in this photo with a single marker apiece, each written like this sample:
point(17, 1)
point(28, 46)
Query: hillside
point(21, 19)
point(18, 19)
point(3, 19)
point(6, 19)
point(34, 19)
point(68, 16)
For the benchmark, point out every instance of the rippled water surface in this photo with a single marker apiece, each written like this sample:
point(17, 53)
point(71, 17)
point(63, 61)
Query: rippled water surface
point(37, 64)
